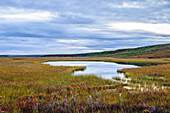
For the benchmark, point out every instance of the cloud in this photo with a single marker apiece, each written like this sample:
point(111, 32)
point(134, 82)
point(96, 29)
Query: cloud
point(78, 47)
point(68, 41)
point(74, 26)
point(128, 5)
point(27, 15)
point(161, 38)
point(90, 51)
point(88, 29)
point(162, 28)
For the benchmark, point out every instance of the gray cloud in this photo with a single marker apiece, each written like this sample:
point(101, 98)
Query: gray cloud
point(74, 26)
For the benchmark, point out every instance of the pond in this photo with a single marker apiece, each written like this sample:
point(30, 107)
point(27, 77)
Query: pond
point(106, 70)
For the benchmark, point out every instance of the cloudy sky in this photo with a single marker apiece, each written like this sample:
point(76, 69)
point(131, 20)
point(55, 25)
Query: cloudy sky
point(79, 26)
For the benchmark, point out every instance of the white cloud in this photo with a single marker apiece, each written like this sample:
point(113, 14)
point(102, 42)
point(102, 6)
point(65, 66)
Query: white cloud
point(75, 47)
point(75, 41)
point(88, 29)
point(161, 28)
point(160, 38)
point(29, 16)
point(26, 15)
point(67, 41)
point(128, 5)
point(90, 51)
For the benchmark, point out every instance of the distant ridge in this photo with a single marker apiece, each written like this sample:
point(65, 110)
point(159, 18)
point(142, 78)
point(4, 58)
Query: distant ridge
point(153, 51)
point(25, 55)
point(3, 55)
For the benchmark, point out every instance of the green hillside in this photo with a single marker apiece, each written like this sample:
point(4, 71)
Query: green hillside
point(154, 51)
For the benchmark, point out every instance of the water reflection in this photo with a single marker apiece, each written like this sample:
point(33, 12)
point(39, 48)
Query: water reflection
point(105, 70)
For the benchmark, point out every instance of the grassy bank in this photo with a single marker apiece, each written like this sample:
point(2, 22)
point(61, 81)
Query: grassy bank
point(159, 75)
point(28, 86)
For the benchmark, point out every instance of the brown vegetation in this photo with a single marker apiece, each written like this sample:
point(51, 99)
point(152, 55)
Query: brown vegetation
point(28, 86)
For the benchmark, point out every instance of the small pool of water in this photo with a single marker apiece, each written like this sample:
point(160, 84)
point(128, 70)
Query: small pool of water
point(106, 70)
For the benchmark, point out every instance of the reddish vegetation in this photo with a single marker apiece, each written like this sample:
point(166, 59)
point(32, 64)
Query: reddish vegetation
point(27, 86)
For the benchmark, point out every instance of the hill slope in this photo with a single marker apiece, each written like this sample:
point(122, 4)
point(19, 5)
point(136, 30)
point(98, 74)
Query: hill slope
point(154, 51)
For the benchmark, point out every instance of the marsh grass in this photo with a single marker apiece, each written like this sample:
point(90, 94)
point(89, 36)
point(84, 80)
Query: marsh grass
point(116, 78)
point(159, 74)
point(28, 86)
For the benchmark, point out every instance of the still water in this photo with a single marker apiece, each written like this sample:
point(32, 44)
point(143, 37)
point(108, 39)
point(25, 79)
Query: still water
point(106, 70)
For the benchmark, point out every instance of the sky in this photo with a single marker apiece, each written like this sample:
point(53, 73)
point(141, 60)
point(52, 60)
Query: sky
point(81, 26)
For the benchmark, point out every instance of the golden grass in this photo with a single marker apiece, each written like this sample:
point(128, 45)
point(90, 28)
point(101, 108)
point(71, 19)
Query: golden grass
point(25, 84)
point(23, 76)
point(159, 75)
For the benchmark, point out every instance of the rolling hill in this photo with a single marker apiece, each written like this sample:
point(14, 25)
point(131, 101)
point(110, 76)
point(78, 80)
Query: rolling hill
point(154, 51)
